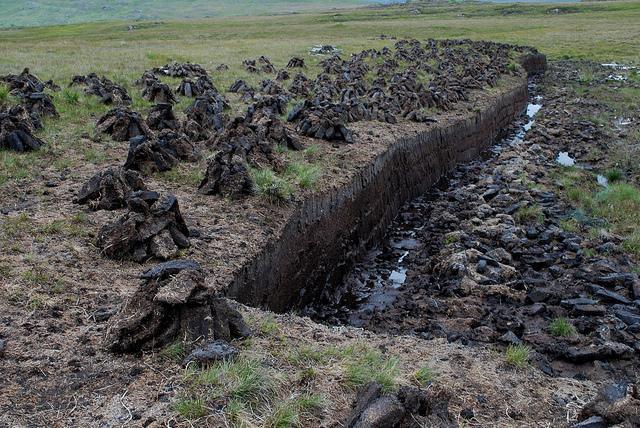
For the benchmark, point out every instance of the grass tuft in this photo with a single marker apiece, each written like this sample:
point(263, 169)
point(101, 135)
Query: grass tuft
point(560, 327)
point(366, 365)
point(70, 96)
point(424, 376)
point(4, 94)
point(269, 186)
point(614, 175)
point(174, 352)
point(304, 174)
point(292, 412)
point(242, 379)
point(529, 214)
point(517, 355)
point(190, 408)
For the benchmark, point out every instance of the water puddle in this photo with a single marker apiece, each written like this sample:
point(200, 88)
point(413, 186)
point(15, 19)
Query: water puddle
point(602, 180)
point(618, 66)
point(565, 160)
point(621, 121)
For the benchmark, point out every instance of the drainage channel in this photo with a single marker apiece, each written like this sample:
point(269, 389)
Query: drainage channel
point(377, 281)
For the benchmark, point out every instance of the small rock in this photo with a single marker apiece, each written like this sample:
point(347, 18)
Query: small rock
point(218, 350)
point(592, 422)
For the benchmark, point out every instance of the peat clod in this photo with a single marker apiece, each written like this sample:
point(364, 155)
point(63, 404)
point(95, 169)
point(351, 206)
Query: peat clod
point(177, 69)
point(227, 174)
point(161, 153)
point(123, 124)
point(153, 227)
point(269, 87)
point(327, 122)
point(409, 407)
point(105, 89)
point(197, 87)
point(40, 103)
point(162, 117)
point(241, 87)
point(147, 79)
point(159, 92)
point(110, 189)
point(222, 67)
point(205, 115)
point(26, 83)
point(615, 403)
point(283, 75)
point(167, 308)
point(300, 85)
point(295, 62)
point(17, 129)
point(250, 65)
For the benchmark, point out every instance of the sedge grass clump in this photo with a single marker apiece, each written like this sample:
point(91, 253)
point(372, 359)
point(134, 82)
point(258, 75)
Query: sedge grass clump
point(517, 355)
point(529, 214)
point(293, 412)
point(269, 186)
point(190, 408)
point(70, 96)
point(365, 365)
point(614, 175)
point(304, 174)
point(174, 352)
point(243, 379)
point(561, 327)
point(4, 94)
point(424, 376)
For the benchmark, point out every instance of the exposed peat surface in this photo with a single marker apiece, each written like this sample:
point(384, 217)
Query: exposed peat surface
point(131, 313)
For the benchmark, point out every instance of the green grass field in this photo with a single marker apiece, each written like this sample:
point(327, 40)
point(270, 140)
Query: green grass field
point(50, 12)
point(602, 31)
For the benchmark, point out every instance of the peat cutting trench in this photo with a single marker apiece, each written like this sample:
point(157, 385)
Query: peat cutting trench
point(444, 236)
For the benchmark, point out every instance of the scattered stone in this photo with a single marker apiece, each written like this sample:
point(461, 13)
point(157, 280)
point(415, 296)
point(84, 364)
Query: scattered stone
point(110, 189)
point(212, 352)
point(40, 104)
point(3, 347)
point(283, 75)
point(240, 87)
point(123, 125)
point(170, 307)
point(144, 231)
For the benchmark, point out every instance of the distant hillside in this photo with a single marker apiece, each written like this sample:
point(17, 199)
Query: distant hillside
point(48, 12)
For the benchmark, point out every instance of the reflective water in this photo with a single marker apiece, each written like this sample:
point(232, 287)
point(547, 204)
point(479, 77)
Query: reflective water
point(565, 160)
